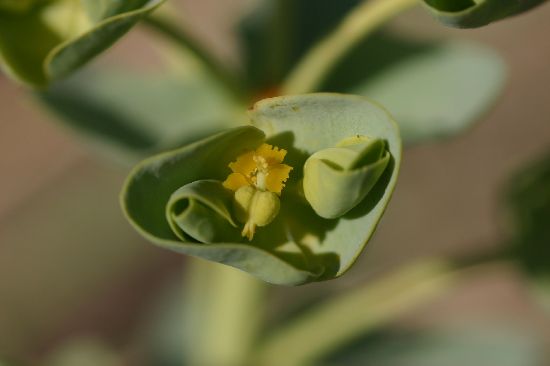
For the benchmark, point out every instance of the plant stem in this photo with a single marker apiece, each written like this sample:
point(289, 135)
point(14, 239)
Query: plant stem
point(310, 72)
point(361, 310)
point(222, 314)
point(170, 30)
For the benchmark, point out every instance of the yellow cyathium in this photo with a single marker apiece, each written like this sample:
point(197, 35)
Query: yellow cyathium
point(258, 178)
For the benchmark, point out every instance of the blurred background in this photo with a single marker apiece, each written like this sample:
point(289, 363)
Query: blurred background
point(71, 268)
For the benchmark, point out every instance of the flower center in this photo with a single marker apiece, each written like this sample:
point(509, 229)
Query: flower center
point(258, 178)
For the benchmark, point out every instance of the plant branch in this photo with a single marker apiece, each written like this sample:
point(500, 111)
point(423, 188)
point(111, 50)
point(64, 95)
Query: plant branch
point(222, 314)
point(167, 28)
point(310, 72)
point(362, 310)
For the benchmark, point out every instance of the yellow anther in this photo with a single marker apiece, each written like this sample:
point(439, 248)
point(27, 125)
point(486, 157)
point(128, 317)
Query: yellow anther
point(261, 168)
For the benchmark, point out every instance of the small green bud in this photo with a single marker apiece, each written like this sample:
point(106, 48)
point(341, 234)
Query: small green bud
point(338, 178)
point(255, 207)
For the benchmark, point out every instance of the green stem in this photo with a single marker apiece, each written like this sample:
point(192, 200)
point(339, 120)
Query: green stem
point(338, 321)
point(222, 316)
point(310, 72)
point(170, 30)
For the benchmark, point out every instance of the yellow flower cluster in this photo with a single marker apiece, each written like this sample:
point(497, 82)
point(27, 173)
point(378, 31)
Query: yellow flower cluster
point(258, 178)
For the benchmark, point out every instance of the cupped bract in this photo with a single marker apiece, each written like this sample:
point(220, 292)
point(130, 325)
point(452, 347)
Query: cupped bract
point(187, 200)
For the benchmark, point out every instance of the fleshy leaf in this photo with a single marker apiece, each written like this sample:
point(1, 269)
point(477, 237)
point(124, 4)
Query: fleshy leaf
point(129, 115)
point(53, 38)
point(298, 246)
point(420, 82)
point(477, 13)
point(201, 210)
point(337, 179)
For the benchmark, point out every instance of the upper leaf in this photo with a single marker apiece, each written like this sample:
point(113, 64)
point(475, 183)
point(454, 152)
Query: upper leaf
point(51, 39)
point(433, 89)
point(298, 246)
point(130, 115)
point(477, 13)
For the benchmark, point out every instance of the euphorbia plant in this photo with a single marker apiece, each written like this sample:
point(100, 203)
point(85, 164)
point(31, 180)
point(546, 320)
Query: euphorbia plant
point(282, 170)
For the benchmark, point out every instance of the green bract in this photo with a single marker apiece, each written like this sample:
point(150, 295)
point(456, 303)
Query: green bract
point(477, 13)
point(338, 178)
point(177, 200)
point(44, 40)
point(201, 211)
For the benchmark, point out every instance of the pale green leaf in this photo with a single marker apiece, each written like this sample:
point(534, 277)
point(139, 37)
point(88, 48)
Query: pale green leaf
point(52, 39)
point(437, 91)
point(130, 115)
